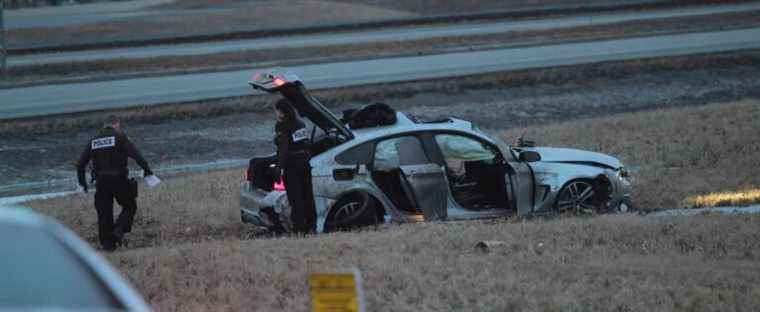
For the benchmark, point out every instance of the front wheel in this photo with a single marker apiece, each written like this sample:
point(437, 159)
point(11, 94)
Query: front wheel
point(577, 196)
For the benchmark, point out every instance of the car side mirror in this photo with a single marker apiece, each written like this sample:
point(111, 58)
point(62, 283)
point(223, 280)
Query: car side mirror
point(529, 156)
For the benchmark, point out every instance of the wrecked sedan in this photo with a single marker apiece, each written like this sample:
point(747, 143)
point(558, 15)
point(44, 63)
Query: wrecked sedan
point(391, 167)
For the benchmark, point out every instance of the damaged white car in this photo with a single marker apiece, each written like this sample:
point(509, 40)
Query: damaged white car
point(376, 165)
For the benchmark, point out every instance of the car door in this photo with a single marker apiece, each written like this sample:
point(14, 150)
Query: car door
point(423, 181)
point(466, 157)
point(522, 184)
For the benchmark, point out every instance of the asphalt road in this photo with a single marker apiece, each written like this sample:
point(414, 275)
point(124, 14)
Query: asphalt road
point(69, 98)
point(386, 35)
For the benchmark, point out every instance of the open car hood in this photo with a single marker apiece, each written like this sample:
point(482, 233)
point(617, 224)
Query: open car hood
point(569, 155)
point(290, 86)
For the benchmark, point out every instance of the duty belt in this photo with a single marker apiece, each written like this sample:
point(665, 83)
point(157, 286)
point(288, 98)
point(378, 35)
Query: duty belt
point(299, 153)
point(110, 173)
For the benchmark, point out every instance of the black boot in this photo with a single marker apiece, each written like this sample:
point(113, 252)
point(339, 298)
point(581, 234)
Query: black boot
point(118, 237)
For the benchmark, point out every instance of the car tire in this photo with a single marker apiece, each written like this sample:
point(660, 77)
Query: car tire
point(352, 211)
point(626, 206)
point(577, 196)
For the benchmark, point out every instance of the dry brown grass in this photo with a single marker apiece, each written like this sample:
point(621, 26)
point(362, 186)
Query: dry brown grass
point(676, 153)
point(195, 208)
point(289, 56)
point(195, 260)
point(705, 263)
point(739, 198)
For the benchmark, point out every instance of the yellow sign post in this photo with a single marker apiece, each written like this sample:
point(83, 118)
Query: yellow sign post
point(336, 292)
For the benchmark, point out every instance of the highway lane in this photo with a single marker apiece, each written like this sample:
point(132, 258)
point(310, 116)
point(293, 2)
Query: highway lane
point(69, 98)
point(386, 35)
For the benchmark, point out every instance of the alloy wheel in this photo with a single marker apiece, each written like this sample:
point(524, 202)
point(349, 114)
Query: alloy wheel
point(577, 197)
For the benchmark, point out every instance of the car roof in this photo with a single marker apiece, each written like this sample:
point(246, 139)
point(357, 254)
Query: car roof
point(406, 125)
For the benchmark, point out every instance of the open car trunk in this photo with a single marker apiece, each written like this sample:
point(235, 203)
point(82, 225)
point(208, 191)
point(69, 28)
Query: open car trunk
point(291, 87)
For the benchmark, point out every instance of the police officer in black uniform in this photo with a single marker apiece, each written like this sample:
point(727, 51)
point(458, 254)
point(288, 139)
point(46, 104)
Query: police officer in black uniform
point(293, 159)
point(109, 151)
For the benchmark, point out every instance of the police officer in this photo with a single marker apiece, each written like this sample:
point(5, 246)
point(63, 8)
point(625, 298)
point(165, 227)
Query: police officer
point(109, 151)
point(293, 156)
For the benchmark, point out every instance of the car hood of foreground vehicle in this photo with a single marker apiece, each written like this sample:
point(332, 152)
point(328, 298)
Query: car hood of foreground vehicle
point(569, 155)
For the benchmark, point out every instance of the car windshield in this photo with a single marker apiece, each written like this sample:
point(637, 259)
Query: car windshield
point(37, 271)
point(506, 149)
point(463, 148)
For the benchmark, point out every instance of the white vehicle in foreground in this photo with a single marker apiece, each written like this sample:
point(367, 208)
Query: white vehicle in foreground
point(46, 267)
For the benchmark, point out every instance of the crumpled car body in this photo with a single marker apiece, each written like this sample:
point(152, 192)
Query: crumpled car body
point(415, 171)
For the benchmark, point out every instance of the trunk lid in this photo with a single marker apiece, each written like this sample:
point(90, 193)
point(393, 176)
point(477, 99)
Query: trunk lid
point(290, 86)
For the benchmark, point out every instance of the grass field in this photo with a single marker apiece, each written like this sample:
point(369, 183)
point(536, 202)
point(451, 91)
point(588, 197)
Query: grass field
point(190, 252)
point(676, 154)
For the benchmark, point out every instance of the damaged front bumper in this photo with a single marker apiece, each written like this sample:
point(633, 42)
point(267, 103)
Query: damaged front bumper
point(621, 191)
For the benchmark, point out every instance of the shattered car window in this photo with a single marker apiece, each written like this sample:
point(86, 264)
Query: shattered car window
point(396, 152)
point(463, 148)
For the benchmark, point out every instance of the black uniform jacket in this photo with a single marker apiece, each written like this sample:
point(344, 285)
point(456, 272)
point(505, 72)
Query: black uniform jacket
point(109, 151)
point(292, 140)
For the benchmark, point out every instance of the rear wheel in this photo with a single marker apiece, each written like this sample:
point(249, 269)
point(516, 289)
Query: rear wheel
point(352, 211)
point(578, 196)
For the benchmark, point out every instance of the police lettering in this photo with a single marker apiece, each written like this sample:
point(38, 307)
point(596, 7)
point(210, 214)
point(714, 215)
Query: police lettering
point(104, 142)
point(300, 135)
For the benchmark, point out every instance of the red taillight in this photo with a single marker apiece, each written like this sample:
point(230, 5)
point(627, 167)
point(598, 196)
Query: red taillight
point(247, 175)
point(279, 185)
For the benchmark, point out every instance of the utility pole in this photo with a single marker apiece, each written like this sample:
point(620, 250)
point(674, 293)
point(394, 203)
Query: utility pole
point(3, 50)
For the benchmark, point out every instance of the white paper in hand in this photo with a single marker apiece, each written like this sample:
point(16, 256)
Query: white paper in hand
point(152, 180)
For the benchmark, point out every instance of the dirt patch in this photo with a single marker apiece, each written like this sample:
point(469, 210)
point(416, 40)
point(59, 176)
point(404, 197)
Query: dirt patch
point(115, 69)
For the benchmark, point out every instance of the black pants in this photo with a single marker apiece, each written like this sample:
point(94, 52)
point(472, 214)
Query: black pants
point(108, 189)
point(297, 180)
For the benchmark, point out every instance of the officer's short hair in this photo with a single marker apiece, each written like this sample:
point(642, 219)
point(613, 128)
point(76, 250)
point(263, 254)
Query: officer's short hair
point(111, 119)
